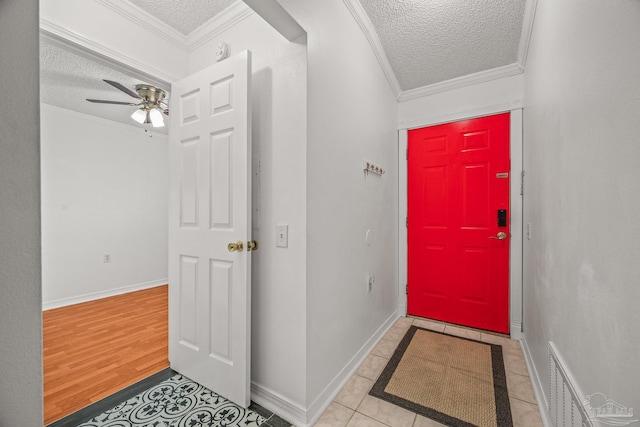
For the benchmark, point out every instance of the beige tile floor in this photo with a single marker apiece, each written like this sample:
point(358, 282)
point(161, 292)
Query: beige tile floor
point(353, 407)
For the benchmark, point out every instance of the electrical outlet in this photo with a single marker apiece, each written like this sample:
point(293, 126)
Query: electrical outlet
point(371, 278)
point(282, 235)
point(106, 258)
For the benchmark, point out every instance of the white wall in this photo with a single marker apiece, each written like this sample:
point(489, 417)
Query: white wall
point(20, 297)
point(279, 197)
point(351, 117)
point(582, 197)
point(104, 190)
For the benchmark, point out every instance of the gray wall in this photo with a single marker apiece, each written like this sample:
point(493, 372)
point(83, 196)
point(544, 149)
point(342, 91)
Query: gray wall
point(20, 298)
point(582, 193)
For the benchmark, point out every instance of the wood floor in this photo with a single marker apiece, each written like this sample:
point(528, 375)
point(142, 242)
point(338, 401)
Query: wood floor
point(93, 349)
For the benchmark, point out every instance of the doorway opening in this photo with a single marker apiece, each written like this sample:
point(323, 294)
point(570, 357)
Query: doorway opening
point(516, 185)
point(104, 224)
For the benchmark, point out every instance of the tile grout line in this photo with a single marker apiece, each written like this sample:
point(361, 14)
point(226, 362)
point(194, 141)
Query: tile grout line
point(524, 401)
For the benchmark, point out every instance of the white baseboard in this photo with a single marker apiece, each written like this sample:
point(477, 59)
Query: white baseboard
point(315, 410)
point(515, 331)
point(278, 404)
point(402, 308)
point(538, 387)
point(62, 302)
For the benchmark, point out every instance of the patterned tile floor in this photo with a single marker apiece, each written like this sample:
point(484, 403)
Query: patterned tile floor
point(177, 402)
point(354, 407)
point(168, 399)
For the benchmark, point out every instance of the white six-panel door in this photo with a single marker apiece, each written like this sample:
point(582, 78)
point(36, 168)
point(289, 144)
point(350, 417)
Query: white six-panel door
point(210, 207)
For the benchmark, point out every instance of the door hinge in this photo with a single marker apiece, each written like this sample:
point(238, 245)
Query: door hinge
point(406, 222)
point(522, 183)
point(406, 289)
point(407, 154)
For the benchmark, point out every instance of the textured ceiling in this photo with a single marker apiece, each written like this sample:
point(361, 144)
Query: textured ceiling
point(425, 41)
point(67, 79)
point(430, 41)
point(183, 15)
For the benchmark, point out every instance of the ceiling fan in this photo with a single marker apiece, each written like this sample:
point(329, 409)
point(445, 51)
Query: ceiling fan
point(150, 100)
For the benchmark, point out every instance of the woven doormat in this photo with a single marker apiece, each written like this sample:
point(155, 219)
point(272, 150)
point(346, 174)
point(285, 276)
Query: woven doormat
point(455, 381)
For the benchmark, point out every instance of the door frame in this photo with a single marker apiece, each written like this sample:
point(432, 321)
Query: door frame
point(516, 202)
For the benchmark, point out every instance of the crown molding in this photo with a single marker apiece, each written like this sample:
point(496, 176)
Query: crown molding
point(216, 25)
point(461, 82)
point(144, 20)
point(527, 31)
point(361, 17)
point(195, 39)
point(101, 53)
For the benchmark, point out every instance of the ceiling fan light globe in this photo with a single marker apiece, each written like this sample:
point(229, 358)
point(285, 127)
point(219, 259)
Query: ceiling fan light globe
point(139, 116)
point(156, 118)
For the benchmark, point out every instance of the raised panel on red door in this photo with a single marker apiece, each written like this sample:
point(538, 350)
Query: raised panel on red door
point(457, 182)
point(430, 246)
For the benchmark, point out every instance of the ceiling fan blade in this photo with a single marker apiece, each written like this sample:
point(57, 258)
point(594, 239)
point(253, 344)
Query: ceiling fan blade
point(100, 101)
point(122, 88)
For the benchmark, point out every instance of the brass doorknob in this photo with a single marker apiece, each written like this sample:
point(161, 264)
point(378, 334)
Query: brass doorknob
point(500, 236)
point(235, 247)
point(252, 246)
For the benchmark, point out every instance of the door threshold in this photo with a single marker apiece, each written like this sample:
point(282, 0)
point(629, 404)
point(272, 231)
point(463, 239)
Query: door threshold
point(88, 412)
point(440, 322)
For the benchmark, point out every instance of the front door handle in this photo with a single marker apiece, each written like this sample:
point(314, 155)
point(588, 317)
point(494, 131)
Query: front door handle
point(237, 246)
point(500, 236)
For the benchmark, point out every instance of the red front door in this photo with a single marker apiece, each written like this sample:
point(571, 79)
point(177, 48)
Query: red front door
point(458, 206)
